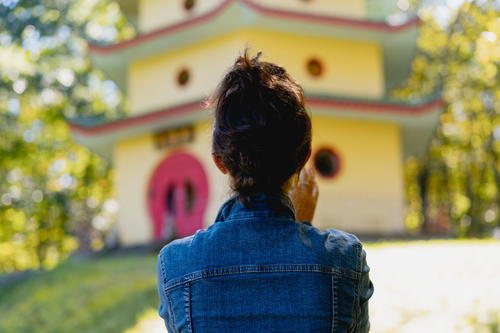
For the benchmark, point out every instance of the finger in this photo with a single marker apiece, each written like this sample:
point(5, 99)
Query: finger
point(310, 176)
point(302, 176)
point(315, 191)
point(311, 170)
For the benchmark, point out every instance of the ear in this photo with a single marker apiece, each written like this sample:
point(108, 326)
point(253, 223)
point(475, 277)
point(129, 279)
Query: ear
point(218, 164)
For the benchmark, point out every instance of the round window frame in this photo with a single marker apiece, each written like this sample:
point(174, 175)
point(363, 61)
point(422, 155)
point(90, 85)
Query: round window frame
point(319, 64)
point(186, 5)
point(179, 81)
point(333, 152)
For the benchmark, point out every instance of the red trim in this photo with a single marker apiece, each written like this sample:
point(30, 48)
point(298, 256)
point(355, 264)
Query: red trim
point(375, 106)
point(312, 101)
point(280, 13)
point(104, 49)
point(331, 20)
point(137, 120)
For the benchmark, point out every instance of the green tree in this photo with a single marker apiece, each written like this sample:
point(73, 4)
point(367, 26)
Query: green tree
point(51, 188)
point(459, 179)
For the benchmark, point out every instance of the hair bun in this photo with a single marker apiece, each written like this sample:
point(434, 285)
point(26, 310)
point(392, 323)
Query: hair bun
point(262, 132)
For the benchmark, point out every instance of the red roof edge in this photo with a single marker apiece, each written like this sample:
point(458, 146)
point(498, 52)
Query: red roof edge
point(376, 106)
point(331, 20)
point(136, 120)
point(197, 105)
point(264, 10)
point(104, 49)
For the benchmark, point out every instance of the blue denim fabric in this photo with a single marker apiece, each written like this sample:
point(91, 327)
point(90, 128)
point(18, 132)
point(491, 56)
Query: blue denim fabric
point(258, 270)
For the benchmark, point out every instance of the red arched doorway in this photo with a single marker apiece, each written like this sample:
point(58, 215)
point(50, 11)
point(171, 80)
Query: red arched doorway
point(177, 196)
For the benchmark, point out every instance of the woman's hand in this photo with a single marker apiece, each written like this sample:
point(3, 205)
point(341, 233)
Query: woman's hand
point(304, 195)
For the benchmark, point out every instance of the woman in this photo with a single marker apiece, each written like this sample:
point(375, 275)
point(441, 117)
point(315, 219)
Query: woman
point(257, 269)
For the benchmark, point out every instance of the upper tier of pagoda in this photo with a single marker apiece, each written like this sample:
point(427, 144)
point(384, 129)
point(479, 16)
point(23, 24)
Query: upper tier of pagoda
point(165, 26)
point(149, 15)
point(345, 54)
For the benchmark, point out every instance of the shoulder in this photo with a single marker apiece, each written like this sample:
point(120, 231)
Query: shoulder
point(341, 249)
point(181, 245)
point(176, 245)
point(181, 255)
point(341, 239)
point(333, 238)
point(170, 257)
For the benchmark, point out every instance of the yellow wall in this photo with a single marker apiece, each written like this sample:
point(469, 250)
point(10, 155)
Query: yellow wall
point(346, 8)
point(366, 196)
point(135, 160)
point(154, 14)
point(153, 82)
point(350, 68)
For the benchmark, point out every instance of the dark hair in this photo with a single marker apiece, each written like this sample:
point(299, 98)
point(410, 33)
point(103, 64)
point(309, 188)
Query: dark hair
point(262, 132)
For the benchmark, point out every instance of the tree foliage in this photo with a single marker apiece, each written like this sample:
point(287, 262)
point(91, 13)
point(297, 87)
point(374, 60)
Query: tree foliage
point(456, 188)
point(50, 188)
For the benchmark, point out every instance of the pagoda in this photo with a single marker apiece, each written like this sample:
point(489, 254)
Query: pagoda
point(346, 54)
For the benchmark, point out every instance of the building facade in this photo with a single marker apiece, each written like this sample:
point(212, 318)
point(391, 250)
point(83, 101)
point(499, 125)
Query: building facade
point(345, 54)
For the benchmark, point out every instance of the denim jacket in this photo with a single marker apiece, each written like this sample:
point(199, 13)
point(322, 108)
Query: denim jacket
point(258, 270)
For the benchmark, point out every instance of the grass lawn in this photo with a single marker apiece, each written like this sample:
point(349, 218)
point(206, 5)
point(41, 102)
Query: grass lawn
point(92, 295)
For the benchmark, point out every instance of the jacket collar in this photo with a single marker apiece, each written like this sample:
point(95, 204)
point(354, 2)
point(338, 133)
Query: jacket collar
point(260, 205)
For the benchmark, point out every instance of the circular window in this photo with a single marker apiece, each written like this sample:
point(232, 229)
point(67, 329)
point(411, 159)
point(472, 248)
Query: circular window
point(314, 67)
point(327, 162)
point(189, 4)
point(183, 77)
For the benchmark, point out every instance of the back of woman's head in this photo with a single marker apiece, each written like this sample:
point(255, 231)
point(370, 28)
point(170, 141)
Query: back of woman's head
point(262, 132)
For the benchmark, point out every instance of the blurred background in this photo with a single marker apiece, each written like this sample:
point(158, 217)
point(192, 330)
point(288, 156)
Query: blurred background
point(105, 149)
